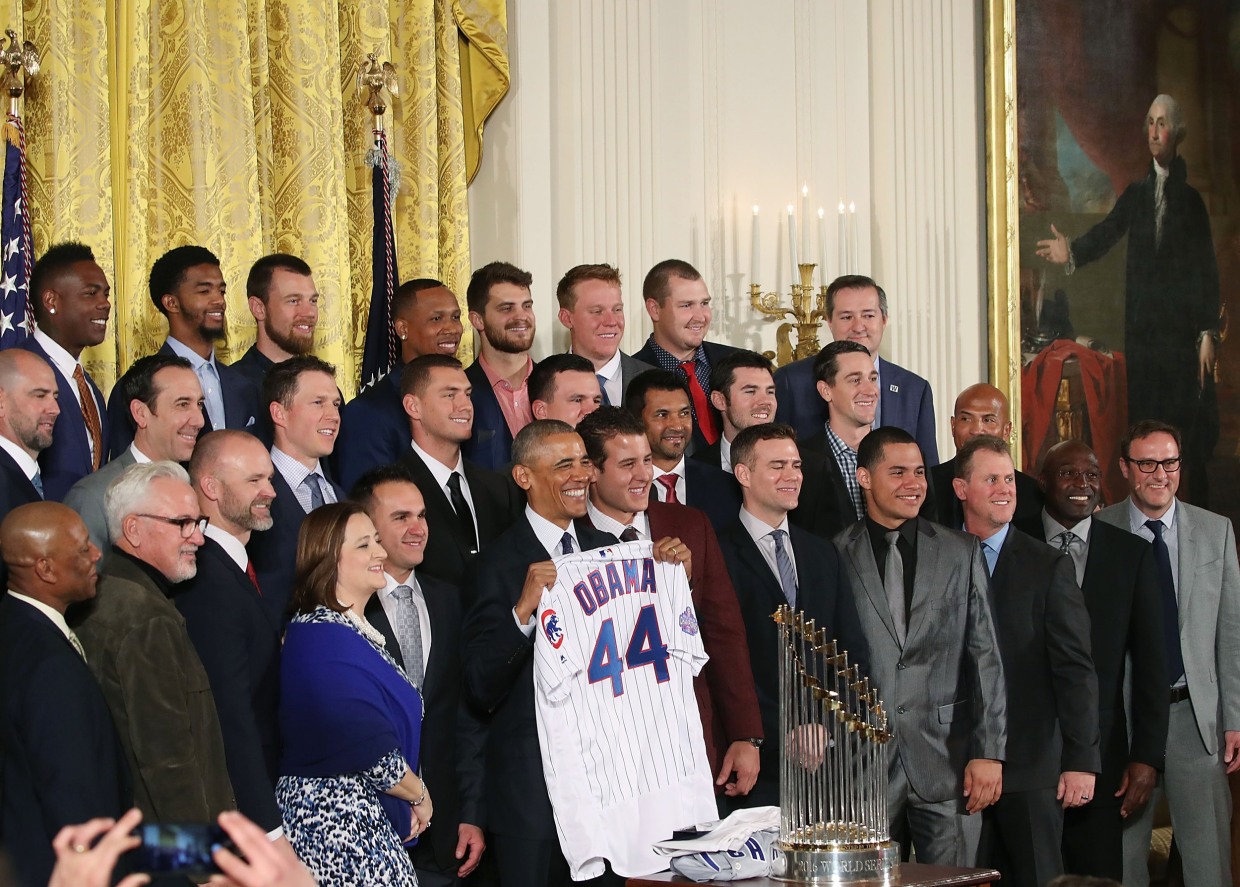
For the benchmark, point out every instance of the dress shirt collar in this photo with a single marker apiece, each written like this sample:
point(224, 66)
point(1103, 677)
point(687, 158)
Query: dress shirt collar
point(1052, 528)
point(180, 349)
point(878, 533)
point(678, 469)
point(497, 380)
point(611, 369)
point(61, 359)
point(29, 466)
point(438, 470)
point(57, 618)
point(1137, 517)
point(608, 524)
point(293, 471)
point(996, 539)
point(391, 584)
point(758, 528)
point(1160, 171)
point(725, 454)
point(549, 534)
point(668, 361)
point(232, 546)
point(139, 457)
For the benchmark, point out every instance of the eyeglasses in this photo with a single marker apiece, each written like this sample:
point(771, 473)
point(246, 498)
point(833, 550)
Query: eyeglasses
point(187, 525)
point(1090, 474)
point(1149, 466)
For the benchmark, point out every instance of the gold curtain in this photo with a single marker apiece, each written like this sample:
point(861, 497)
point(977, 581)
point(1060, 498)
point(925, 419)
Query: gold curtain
point(235, 124)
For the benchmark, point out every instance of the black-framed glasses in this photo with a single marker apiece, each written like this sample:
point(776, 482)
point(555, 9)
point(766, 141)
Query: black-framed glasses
point(186, 525)
point(1149, 466)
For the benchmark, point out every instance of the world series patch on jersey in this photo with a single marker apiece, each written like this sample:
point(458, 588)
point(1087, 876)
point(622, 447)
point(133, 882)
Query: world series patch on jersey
point(617, 647)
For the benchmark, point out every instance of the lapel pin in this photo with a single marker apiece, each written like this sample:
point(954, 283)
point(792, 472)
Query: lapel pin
point(895, 388)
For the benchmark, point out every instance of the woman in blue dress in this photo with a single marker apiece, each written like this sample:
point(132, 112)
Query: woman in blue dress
point(351, 720)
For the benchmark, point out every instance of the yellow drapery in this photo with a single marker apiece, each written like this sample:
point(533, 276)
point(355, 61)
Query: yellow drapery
point(235, 124)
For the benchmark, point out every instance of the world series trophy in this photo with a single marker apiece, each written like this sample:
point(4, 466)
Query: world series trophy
point(833, 774)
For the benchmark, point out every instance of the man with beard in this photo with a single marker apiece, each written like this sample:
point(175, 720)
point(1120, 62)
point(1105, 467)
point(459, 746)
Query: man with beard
point(69, 295)
point(374, 429)
point(659, 399)
point(285, 303)
point(236, 637)
point(28, 412)
point(188, 289)
point(137, 647)
point(502, 310)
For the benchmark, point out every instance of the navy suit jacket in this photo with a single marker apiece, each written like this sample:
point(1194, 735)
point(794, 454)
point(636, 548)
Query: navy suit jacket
point(374, 430)
point(715, 352)
point(499, 676)
point(253, 365)
point(490, 445)
point(822, 595)
point(711, 490)
point(15, 489)
point(238, 640)
point(825, 507)
point(240, 407)
point(61, 762)
point(905, 401)
point(67, 460)
point(453, 738)
point(274, 552)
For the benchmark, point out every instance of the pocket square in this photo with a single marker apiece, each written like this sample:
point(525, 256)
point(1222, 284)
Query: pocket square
point(249, 423)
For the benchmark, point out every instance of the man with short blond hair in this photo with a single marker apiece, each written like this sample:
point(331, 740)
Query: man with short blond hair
point(592, 310)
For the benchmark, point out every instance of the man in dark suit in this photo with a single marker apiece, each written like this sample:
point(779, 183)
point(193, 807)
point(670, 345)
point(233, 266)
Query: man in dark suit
point(236, 637)
point(28, 411)
point(62, 762)
point(70, 301)
point(505, 586)
point(1116, 572)
point(979, 409)
point(592, 310)
point(620, 505)
point(564, 387)
point(304, 404)
point(857, 312)
point(188, 289)
point(921, 594)
point(679, 305)
point(467, 506)
point(421, 619)
point(140, 653)
point(660, 400)
point(501, 310)
point(374, 429)
point(773, 563)
point(742, 389)
point(281, 295)
point(1052, 750)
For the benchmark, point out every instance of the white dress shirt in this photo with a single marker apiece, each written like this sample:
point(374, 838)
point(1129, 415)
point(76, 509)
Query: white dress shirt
point(56, 618)
point(762, 534)
point(233, 547)
point(549, 536)
point(28, 465)
point(294, 474)
point(388, 601)
point(442, 474)
point(613, 380)
point(679, 471)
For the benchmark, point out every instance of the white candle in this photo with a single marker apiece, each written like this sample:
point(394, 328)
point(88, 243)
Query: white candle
point(843, 245)
point(792, 243)
point(822, 245)
point(805, 221)
point(755, 250)
point(853, 263)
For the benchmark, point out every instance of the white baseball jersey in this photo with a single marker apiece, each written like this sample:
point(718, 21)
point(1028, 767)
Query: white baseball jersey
point(616, 652)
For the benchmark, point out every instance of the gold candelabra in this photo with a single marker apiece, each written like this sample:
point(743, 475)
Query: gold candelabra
point(809, 306)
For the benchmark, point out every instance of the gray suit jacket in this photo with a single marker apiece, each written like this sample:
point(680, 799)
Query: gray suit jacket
point(1209, 598)
point(86, 498)
point(630, 369)
point(944, 690)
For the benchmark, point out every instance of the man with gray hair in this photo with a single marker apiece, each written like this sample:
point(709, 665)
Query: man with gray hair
point(1171, 292)
point(137, 646)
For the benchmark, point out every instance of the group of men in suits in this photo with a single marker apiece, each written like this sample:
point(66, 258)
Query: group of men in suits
point(998, 618)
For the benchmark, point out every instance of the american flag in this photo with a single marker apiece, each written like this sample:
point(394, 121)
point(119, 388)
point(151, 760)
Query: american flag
point(16, 246)
point(381, 354)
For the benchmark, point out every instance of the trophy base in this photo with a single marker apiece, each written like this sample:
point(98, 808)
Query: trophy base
point(841, 865)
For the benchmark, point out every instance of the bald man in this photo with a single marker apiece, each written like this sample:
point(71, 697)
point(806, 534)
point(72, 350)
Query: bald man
point(979, 409)
point(62, 761)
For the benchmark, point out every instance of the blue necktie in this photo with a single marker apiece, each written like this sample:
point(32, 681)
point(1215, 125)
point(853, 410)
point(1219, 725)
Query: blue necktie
point(787, 575)
point(602, 386)
point(37, 483)
point(1170, 607)
point(311, 483)
point(566, 543)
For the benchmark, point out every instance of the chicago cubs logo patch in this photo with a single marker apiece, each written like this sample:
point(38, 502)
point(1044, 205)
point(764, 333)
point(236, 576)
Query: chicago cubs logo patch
point(688, 621)
point(551, 628)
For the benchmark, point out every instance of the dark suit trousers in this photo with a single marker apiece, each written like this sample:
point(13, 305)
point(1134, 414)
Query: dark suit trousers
point(1021, 837)
point(1093, 840)
point(525, 862)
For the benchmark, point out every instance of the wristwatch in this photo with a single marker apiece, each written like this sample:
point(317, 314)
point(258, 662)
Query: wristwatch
point(756, 743)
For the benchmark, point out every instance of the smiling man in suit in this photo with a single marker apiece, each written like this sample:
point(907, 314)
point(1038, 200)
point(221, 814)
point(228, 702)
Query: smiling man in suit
point(421, 619)
point(592, 310)
point(468, 506)
point(28, 411)
point(281, 295)
point(70, 300)
point(921, 592)
point(1052, 750)
point(1199, 586)
point(188, 289)
point(857, 312)
point(564, 387)
point(772, 563)
point(743, 391)
point(236, 637)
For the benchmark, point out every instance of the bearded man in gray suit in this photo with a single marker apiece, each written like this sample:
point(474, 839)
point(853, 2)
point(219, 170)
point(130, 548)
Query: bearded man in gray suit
point(921, 595)
point(1195, 557)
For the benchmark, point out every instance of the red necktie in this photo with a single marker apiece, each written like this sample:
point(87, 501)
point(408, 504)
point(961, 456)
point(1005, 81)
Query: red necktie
point(701, 405)
point(249, 571)
point(90, 414)
point(668, 482)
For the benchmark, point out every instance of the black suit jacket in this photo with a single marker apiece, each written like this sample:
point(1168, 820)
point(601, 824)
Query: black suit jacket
point(374, 430)
point(274, 552)
point(825, 507)
point(711, 490)
point(490, 445)
point(15, 489)
point(452, 736)
point(1125, 609)
point(496, 507)
point(499, 675)
point(715, 352)
point(1052, 693)
point(254, 366)
point(61, 762)
point(822, 595)
point(238, 640)
point(943, 507)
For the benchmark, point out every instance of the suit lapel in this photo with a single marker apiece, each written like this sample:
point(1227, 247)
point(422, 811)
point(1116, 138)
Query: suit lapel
point(756, 563)
point(377, 616)
point(861, 556)
point(925, 582)
point(1186, 560)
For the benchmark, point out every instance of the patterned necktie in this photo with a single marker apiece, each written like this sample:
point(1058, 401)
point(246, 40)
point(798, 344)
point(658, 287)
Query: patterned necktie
point(668, 482)
point(1170, 607)
point(1160, 207)
point(249, 571)
point(37, 483)
point(629, 534)
point(1065, 541)
point(787, 575)
point(408, 628)
point(602, 386)
point(701, 404)
point(90, 415)
point(893, 582)
point(566, 544)
point(311, 483)
point(77, 644)
point(463, 514)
